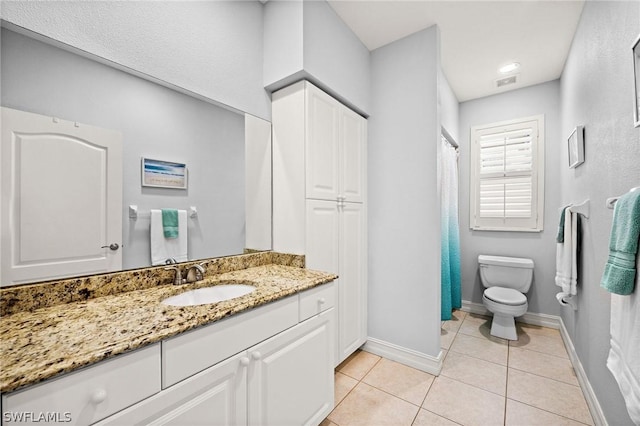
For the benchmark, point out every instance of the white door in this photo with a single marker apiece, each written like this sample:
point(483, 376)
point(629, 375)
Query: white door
point(291, 375)
point(61, 210)
point(215, 396)
point(352, 290)
point(353, 156)
point(322, 140)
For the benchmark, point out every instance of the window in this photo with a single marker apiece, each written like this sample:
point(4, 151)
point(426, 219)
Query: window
point(507, 175)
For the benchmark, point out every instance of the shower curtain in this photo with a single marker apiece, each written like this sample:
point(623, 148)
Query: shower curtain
point(451, 296)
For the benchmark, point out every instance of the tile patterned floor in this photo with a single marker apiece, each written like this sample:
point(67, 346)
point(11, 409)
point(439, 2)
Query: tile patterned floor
point(484, 381)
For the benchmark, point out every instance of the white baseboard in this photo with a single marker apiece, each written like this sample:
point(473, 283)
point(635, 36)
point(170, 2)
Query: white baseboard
point(415, 359)
point(555, 322)
point(583, 380)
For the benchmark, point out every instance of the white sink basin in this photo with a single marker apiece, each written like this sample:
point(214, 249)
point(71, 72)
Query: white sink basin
point(215, 294)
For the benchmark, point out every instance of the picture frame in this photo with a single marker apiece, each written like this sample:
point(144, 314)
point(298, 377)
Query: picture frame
point(163, 174)
point(635, 49)
point(575, 144)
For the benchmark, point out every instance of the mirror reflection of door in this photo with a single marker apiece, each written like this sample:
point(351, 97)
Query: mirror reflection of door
point(61, 198)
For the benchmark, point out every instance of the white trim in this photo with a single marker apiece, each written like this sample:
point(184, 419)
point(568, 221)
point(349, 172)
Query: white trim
point(555, 322)
point(415, 359)
point(532, 224)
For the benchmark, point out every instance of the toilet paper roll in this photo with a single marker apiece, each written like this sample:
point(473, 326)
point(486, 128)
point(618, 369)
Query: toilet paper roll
point(566, 300)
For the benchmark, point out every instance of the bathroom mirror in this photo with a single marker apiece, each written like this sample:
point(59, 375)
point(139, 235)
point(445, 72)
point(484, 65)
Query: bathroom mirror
point(161, 123)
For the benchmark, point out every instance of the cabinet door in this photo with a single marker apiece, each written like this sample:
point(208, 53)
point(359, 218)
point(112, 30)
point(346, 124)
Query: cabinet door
point(352, 290)
point(322, 139)
point(291, 375)
point(322, 235)
point(353, 155)
point(215, 396)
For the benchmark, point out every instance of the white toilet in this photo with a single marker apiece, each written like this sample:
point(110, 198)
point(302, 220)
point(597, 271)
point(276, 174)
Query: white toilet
point(506, 280)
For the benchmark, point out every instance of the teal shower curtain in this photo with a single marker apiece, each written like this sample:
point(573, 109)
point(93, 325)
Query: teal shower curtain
point(451, 296)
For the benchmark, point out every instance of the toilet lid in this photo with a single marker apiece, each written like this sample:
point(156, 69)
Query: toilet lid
point(506, 296)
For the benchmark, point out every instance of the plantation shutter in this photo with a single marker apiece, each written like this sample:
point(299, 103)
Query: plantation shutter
point(506, 176)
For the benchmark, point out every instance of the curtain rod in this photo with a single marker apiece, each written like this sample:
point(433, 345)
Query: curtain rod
point(448, 138)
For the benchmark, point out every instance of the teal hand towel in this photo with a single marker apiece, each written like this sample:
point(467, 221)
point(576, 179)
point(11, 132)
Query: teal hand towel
point(170, 223)
point(560, 236)
point(620, 270)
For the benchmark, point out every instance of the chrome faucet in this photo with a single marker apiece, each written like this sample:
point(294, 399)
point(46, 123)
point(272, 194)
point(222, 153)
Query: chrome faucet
point(195, 273)
point(177, 280)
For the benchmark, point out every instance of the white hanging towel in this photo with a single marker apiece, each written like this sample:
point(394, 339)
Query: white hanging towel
point(166, 248)
point(567, 257)
point(624, 355)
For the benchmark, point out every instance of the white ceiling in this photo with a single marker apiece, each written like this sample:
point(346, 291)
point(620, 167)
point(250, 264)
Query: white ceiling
point(477, 37)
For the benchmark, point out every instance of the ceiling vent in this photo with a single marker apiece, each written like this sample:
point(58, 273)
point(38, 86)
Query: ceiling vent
point(507, 80)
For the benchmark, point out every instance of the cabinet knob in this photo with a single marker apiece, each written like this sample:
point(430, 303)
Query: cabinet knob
point(98, 396)
point(256, 355)
point(322, 301)
point(244, 361)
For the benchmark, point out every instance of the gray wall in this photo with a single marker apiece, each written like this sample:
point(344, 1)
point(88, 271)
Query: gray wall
point(596, 91)
point(539, 246)
point(307, 40)
point(155, 122)
point(283, 43)
point(449, 107)
point(404, 207)
point(213, 48)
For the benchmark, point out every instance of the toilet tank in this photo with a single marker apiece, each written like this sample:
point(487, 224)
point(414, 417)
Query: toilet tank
point(510, 272)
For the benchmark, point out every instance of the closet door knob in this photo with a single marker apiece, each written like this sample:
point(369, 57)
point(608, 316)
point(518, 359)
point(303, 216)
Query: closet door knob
point(112, 246)
point(322, 301)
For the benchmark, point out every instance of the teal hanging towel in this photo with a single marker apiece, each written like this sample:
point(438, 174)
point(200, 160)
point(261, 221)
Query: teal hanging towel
point(620, 271)
point(170, 223)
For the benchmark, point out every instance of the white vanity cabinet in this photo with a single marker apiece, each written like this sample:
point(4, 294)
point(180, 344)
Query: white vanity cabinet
point(284, 376)
point(319, 197)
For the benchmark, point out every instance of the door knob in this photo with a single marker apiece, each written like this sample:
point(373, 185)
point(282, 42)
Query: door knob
point(112, 246)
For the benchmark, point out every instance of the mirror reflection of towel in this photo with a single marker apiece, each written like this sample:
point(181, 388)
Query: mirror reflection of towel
point(170, 223)
point(168, 248)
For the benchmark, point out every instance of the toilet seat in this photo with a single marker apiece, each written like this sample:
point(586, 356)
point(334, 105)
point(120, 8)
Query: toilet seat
point(505, 296)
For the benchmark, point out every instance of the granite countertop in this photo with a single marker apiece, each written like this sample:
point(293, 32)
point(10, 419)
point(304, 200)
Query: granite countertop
point(44, 343)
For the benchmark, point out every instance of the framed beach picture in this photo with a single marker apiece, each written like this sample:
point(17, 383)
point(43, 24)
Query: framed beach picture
point(636, 82)
point(576, 147)
point(164, 174)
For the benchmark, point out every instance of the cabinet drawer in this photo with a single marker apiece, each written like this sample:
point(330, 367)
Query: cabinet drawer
point(192, 352)
point(316, 300)
point(90, 394)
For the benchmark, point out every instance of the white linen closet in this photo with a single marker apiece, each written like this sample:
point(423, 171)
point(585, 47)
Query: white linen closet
point(319, 197)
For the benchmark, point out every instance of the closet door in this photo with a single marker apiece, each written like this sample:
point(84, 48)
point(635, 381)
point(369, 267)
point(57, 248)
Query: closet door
point(322, 140)
point(353, 155)
point(352, 289)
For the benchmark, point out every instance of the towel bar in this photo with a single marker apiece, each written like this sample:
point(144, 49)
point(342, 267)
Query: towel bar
point(134, 214)
point(612, 201)
point(582, 208)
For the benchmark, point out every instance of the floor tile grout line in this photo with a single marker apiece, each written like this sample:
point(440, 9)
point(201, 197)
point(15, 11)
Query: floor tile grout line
point(545, 377)
point(547, 411)
point(577, 385)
